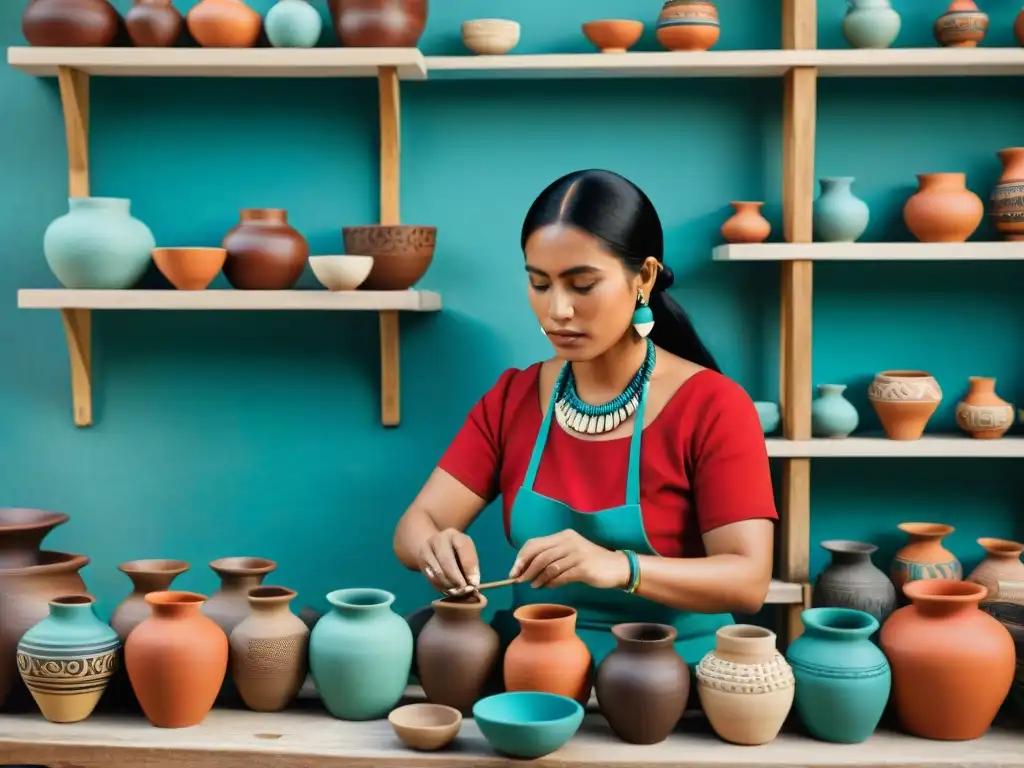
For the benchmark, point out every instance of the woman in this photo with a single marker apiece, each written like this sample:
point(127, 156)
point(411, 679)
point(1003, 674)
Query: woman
point(634, 476)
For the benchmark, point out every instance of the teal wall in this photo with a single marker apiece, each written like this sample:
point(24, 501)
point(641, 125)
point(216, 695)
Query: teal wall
point(258, 434)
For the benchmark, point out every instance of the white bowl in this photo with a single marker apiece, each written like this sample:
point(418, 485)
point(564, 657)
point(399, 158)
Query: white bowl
point(490, 37)
point(341, 273)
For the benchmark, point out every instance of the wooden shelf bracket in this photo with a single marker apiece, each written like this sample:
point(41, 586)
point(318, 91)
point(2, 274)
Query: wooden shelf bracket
point(390, 170)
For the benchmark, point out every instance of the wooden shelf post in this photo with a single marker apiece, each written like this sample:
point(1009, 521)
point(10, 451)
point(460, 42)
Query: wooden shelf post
point(390, 169)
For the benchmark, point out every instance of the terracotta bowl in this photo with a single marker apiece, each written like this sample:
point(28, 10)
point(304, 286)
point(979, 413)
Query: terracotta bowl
point(613, 35)
point(490, 37)
point(401, 253)
point(426, 726)
point(189, 269)
point(341, 273)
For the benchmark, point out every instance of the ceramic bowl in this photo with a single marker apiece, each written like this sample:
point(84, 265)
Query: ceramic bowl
point(189, 269)
point(401, 253)
point(769, 415)
point(490, 37)
point(341, 273)
point(613, 35)
point(425, 726)
point(527, 724)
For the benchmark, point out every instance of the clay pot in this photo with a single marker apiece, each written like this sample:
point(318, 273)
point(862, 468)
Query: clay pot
point(904, 402)
point(943, 210)
point(982, 413)
point(456, 653)
point(688, 25)
point(189, 269)
point(176, 660)
point(924, 557)
point(147, 576)
point(1002, 563)
point(401, 253)
point(224, 24)
point(613, 35)
point(1007, 607)
point(852, 581)
point(745, 685)
point(73, 23)
point(22, 532)
point(1018, 28)
point(379, 23)
point(265, 253)
point(747, 224)
point(961, 26)
point(643, 685)
point(269, 651)
point(952, 665)
point(25, 595)
point(547, 655)
point(1007, 198)
point(154, 23)
point(229, 604)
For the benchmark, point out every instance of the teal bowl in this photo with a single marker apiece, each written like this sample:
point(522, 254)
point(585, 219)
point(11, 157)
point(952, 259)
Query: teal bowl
point(527, 723)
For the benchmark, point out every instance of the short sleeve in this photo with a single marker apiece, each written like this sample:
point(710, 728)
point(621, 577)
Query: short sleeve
point(732, 477)
point(474, 455)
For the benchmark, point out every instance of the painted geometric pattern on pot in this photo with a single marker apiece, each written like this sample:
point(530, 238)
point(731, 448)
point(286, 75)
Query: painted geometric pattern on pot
point(905, 571)
point(48, 671)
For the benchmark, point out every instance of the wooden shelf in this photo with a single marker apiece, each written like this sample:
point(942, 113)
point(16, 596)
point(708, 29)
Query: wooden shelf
point(928, 447)
point(997, 251)
point(381, 301)
point(783, 593)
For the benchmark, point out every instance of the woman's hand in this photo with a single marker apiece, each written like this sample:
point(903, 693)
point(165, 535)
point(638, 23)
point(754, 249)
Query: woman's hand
point(565, 557)
point(448, 559)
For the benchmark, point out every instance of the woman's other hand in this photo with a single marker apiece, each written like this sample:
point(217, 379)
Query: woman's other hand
point(448, 559)
point(565, 557)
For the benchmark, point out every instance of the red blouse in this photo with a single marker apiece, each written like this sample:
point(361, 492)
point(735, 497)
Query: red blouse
point(703, 460)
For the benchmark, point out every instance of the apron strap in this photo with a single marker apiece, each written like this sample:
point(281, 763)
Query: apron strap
point(542, 435)
point(633, 474)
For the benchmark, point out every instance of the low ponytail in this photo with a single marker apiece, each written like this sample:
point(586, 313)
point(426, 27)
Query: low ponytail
point(673, 330)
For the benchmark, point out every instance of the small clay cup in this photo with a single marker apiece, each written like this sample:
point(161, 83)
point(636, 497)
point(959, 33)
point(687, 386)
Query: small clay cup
point(426, 727)
point(189, 269)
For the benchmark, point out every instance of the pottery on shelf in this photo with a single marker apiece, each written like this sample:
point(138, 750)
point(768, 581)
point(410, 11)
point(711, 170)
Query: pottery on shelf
point(747, 224)
point(547, 655)
point(769, 416)
point(904, 401)
point(189, 269)
point(229, 604)
point(293, 24)
point(688, 25)
point(1007, 607)
point(71, 23)
point(1018, 28)
point(851, 580)
point(146, 576)
point(1007, 198)
point(265, 252)
point(425, 727)
point(66, 660)
point(98, 244)
point(943, 210)
point(924, 557)
point(952, 664)
point(341, 273)
point(22, 532)
point(490, 37)
point(379, 23)
point(224, 24)
point(401, 253)
point(154, 23)
point(963, 25)
point(871, 23)
point(839, 215)
point(982, 413)
point(832, 415)
point(613, 35)
point(1002, 563)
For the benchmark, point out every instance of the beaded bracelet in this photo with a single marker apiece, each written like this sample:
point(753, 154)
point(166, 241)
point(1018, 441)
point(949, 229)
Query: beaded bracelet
point(634, 570)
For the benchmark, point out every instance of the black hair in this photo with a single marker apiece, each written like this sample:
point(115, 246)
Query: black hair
point(618, 213)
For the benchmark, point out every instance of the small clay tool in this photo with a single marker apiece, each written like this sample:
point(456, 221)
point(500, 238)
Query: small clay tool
point(492, 584)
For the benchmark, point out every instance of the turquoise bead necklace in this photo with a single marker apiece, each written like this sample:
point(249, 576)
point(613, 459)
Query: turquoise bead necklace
point(572, 413)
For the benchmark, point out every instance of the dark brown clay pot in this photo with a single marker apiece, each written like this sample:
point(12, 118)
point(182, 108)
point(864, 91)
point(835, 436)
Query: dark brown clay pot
point(22, 532)
point(401, 253)
point(73, 23)
point(229, 604)
point(642, 686)
point(147, 576)
point(265, 253)
point(379, 23)
point(154, 23)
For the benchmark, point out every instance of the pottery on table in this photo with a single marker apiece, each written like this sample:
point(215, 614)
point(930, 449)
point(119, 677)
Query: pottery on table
point(871, 23)
point(982, 413)
point(379, 23)
point(67, 659)
point(293, 24)
point(688, 25)
point(643, 684)
point(154, 23)
point(360, 654)
point(224, 24)
point(1007, 197)
point(147, 576)
point(547, 655)
point(924, 557)
point(22, 532)
point(72, 23)
point(839, 215)
point(613, 35)
point(747, 224)
point(229, 604)
point(943, 210)
point(401, 253)
point(745, 685)
point(1007, 607)
point(852, 581)
point(842, 679)
point(265, 252)
point(963, 25)
point(98, 244)
point(1002, 563)
point(490, 37)
point(425, 727)
point(189, 269)
point(769, 416)
point(832, 415)
point(904, 401)
point(341, 273)
point(527, 724)
point(952, 664)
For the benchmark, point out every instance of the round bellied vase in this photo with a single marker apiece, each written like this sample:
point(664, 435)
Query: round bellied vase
point(688, 25)
point(943, 210)
point(547, 655)
point(832, 415)
point(839, 215)
point(852, 581)
point(1002, 563)
point(379, 23)
point(154, 23)
point(224, 24)
point(229, 604)
point(293, 24)
point(72, 23)
point(871, 23)
point(747, 224)
point(982, 413)
point(146, 576)
point(963, 25)
point(1007, 607)
point(265, 252)
point(904, 401)
point(1007, 198)
point(924, 557)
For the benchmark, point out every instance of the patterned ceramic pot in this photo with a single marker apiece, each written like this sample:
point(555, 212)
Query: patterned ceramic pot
point(688, 25)
point(904, 402)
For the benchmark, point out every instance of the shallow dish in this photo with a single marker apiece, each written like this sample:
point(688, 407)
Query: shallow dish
point(341, 273)
point(526, 723)
point(425, 726)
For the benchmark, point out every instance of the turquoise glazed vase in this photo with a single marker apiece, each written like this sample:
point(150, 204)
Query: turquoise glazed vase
point(360, 654)
point(871, 24)
point(769, 416)
point(842, 678)
point(293, 24)
point(832, 415)
point(97, 244)
point(839, 215)
point(67, 659)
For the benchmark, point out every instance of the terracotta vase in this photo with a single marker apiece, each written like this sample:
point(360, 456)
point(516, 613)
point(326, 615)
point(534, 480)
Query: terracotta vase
point(73, 23)
point(643, 685)
point(154, 23)
point(688, 25)
point(265, 252)
point(1007, 607)
point(1007, 198)
point(379, 23)
point(943, 210)
point(904, 402)
point(22, 532)
point(924, 557)
point(224, 24)
point(269, 651)
point(961, 26)
point(745, 685)
point(229, 604)
point(982, 413)
point(852, 581)
point(547, 655)
point(746, 225)
point(176, 660)
point(25, 595)
point(456, 653)
point(952, 664)
point(146, 576)
point(1002, 563)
